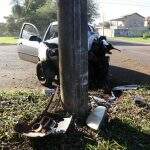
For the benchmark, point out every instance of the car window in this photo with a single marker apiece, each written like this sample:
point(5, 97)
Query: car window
point(52, 32)
point(91, 29)
point(28, 31)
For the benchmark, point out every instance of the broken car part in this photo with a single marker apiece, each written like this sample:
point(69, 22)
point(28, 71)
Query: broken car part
point(98, 99)
point(45, 54)
point(49, 126)
point(126, 87)
point(63, 125)
point(48, 92)
point(45, 121)
point(140, 102)
point(96, 118)
point(98, 115)
point(111, 99)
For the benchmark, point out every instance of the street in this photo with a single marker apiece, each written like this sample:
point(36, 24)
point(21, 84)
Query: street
point(139, 52)
point(132, 65)
point(16, 73)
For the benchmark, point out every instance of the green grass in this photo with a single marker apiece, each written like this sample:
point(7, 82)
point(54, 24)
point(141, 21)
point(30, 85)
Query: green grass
point(8, 40)
point(16, 106)
point(128, 127)
point(137, 40)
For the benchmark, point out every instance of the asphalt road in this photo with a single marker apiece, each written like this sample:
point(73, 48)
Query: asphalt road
point(15, 73)
point(138, 52)
point(18, 74)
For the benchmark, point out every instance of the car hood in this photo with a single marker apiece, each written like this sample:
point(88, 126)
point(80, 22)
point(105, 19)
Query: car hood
point(91, 38)
point(52, 41)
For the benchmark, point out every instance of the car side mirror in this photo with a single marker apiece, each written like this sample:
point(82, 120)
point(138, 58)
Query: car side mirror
point(35, 38)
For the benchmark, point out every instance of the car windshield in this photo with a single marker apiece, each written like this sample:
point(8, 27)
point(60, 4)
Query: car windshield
point(53, 32)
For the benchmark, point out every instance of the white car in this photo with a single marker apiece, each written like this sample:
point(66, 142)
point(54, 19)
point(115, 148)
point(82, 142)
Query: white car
point(44, 51)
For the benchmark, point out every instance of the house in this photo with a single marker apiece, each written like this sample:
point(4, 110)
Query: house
point(133, 20)
point(132, 25)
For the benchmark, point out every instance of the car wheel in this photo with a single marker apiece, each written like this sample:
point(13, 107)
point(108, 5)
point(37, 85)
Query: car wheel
point(44, 74)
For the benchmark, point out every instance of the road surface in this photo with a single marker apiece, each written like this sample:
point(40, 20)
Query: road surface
point(138, 52)
point(132, 65)
point(15, 73)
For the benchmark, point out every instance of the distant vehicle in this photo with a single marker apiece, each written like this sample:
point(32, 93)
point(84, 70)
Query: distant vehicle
point(44, 52)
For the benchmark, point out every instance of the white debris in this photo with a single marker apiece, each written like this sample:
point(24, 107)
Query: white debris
point(48, 92)
point(98, 99)
point(125, 87)
point(112, 98)
point(63, 125)
point(96, 118)
point(34, 134)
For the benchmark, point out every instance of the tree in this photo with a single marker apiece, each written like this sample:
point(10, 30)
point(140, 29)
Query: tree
point(17, 9)
point(41, 12)
point(26, 8)
point(12, 26)
point(92, 10)
point(3, 29)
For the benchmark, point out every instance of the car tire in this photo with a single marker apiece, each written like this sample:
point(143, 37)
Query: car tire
point(44, 73)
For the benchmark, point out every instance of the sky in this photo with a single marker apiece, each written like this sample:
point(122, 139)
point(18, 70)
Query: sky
point(109, 9)
point(5, 9)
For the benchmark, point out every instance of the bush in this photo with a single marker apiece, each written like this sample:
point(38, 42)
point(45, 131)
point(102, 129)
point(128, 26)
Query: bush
point(146, 35)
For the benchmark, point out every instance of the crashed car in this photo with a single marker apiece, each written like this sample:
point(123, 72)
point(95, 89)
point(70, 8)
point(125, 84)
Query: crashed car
point(45, 53)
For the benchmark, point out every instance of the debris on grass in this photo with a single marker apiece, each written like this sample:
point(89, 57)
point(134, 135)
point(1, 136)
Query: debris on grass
point(140, 102)
point(96, 117)
point(128, 125)
point(49, 126)
point(48, 92)
point(126, 87)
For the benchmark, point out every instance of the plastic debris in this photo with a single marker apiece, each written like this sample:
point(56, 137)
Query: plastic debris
point(98, 99)
point(48, 92)
point(125, 87)
point(63, 125)
point(96, 118)
point(140, 102)
point(113, 97)
point(34, 134)
point(111, 100)
point(48, 126)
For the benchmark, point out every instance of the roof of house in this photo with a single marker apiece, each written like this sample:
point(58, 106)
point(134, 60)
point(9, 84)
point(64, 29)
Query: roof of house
point(124, 17)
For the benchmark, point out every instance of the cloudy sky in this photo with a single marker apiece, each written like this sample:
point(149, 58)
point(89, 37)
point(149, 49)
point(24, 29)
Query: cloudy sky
point(5, 9)
point(111, 9)
point(108, 8)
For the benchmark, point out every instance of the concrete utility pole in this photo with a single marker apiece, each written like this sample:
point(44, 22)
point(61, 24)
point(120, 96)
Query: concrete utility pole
point(73, 54)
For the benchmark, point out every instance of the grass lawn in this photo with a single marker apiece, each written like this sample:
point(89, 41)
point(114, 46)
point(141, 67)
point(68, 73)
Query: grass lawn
point(128, 127)
point(8, 40)
point(138, 39)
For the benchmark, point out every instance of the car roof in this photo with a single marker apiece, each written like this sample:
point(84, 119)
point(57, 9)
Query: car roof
point(54, 23)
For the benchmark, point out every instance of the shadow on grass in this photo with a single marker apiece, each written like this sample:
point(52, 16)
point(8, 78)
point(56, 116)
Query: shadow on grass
point(122, 76)
point(72, 140)
point(127, 136)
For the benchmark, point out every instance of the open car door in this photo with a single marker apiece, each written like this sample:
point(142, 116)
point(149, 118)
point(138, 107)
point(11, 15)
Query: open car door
point(28, 43)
